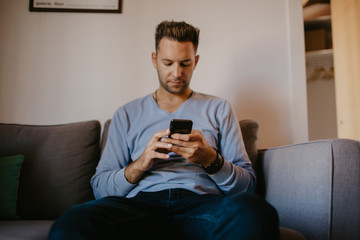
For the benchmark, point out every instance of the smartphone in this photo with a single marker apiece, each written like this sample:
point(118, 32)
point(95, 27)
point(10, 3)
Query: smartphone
point(182, 126)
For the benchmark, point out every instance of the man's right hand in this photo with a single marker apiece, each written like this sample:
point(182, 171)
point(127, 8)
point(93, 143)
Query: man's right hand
point(155, 150)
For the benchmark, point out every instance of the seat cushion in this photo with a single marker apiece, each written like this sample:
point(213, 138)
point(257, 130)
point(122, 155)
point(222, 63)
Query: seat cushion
point(29, 230)
point(289, 234)
point(38, 230)
point(59, 162)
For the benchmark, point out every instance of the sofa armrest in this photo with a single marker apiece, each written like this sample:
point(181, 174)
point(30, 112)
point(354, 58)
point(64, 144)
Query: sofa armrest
point(314, 186)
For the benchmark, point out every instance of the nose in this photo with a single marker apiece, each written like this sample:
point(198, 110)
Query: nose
point(177, 70)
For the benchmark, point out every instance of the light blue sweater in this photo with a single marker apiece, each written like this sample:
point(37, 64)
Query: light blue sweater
point(134, 124)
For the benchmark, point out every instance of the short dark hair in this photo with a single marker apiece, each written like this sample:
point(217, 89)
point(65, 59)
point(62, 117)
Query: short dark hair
point(178, 31)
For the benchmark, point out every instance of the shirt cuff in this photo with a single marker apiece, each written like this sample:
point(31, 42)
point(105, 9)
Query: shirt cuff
point(122, 182)
point(223, 174)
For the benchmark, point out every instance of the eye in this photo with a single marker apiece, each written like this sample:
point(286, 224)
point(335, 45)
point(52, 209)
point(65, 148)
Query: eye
point(186, 63)
point(167, 63)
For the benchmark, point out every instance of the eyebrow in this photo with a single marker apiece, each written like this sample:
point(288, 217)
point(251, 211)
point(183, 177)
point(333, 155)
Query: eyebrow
point(169, 60)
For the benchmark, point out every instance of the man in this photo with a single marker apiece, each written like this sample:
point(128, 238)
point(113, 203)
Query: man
point(187, 186)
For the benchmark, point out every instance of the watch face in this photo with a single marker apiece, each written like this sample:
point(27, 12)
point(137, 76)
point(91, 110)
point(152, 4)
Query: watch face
point(215, 166)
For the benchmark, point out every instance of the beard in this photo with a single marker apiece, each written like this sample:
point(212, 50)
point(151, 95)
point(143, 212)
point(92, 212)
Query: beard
point(174, 89)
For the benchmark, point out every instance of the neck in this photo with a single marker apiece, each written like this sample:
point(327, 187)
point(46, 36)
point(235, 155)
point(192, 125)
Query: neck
point(163, 94)
point(170, 101)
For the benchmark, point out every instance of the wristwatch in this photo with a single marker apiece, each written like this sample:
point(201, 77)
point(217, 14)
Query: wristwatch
point(215, 166)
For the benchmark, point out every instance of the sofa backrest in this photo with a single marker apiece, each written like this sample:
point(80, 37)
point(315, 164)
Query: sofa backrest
point(59, 162)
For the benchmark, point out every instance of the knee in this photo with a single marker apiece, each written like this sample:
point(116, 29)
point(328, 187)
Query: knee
point(57, 232)
point(252, 204)
point(68, 226)
point(253, 211)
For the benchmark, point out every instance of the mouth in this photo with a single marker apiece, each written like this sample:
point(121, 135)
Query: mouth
point(176, 82)
point(176, 85)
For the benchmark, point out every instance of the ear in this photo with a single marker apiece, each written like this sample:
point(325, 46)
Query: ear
point(153, 59)
point(196, 60)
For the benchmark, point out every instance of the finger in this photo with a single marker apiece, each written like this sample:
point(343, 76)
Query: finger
point(157, 136)
point(162, 133)
point(184, 152)
point(157, 147)
point(163, 145)
point(182, 137)
point(162, 150)
point(159, 155)
point(176, 142)
point(187, 137)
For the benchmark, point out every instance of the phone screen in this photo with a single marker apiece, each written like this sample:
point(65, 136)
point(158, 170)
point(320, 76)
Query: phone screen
point(182, 126)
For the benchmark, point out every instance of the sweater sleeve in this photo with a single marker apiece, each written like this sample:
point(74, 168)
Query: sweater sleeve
point(237, 174)
point(109, 178)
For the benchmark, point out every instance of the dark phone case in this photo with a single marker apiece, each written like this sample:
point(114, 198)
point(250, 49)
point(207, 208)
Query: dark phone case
point(182, 126)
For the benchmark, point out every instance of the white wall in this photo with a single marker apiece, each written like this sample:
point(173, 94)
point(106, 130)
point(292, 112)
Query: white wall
point(68, 67)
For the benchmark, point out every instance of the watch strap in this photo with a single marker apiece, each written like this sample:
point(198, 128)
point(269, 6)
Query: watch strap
point(215, 166)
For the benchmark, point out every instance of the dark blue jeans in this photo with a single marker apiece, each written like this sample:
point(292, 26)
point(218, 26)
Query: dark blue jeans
point(170, 214)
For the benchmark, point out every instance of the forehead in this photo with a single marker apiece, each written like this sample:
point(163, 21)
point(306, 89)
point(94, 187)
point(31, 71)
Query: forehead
point(168, 47)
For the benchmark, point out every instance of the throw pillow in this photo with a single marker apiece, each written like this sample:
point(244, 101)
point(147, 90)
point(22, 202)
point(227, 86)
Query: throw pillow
point(9, 180)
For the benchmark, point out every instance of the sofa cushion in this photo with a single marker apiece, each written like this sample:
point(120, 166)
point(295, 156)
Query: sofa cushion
point(25, 229)
point(59, 162)
point(249, 129)
point(9, 178)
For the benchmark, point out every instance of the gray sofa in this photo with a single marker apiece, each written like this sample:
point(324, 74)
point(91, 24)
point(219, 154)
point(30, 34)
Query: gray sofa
point(314, 185)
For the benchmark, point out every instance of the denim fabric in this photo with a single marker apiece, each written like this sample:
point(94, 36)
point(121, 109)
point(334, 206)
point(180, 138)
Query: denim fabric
point(170, 214)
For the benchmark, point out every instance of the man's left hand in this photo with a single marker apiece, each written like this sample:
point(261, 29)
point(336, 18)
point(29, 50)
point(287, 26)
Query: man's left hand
point(193, 147)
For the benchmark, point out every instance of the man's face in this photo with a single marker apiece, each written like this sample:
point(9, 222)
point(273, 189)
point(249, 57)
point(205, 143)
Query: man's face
point(175, 63)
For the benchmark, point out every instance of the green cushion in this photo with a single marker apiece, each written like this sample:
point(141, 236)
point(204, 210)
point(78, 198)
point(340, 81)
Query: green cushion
point(9, 180)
